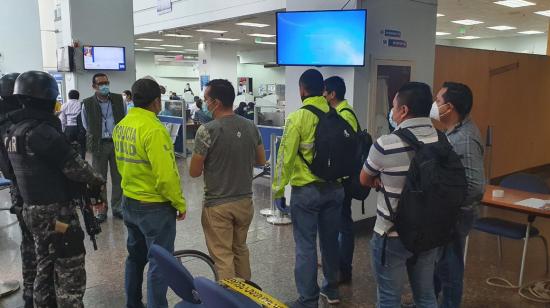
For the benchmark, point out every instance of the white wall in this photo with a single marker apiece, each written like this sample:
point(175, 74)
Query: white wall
point(192, 12)
point(103, 23)
point(533, 44)
point(49, 46)
point(260, 75)
point(173, 77)
point(20, 43)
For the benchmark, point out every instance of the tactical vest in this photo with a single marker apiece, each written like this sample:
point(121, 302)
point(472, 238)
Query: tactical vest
point(40, 182)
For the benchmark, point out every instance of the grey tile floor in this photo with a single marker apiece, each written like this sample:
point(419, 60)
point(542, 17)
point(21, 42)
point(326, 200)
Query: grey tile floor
point(272, 257)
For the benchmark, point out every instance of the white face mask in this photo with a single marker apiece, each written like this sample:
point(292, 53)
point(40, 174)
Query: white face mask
point(434, 112)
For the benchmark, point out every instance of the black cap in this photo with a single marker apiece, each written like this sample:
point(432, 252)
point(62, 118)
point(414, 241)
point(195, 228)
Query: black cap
point(7, 82)
point(36, 84)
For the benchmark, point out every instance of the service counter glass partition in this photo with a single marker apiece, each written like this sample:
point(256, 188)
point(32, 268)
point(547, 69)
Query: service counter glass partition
point(174, 116)
point(269, 116)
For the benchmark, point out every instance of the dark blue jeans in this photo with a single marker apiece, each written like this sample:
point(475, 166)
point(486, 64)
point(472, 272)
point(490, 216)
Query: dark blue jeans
point(315, 208)
point(391, 276)
point(147, 224)
point(346, 238)
point(449, 271)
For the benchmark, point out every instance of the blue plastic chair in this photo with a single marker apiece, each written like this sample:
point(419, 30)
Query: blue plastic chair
point(215, 296)
point(514, 230)
point(177, 277)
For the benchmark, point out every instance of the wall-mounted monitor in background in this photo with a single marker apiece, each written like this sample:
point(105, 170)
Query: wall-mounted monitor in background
point(321, 38)
point(65, 59)
point(104, 58)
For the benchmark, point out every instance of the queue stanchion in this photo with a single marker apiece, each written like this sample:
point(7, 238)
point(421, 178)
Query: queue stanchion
point(278, 217)
point(270, 211)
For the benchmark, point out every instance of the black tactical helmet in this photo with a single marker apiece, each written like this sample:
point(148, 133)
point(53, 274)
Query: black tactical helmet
point(36, 84)
point(7, 83)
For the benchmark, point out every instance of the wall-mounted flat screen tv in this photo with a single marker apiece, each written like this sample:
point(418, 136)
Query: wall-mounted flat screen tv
point(321, 38)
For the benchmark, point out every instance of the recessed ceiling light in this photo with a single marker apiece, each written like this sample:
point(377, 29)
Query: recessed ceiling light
point(154, 47)
point(191, 50)
point(211, 31)
point(544, 13)
point(442, 33)
point(515, 3)
point(178, 35)
point(149, 39)
point(468, 37)
point(176, 46)
point(135, 44)
point(267, 43)
point(502, 28)
point(467, 22)
point(226, 39)
point(252, 24)
point(531, 32)
point(261, 35)
point(440, 15)
point(141, 49)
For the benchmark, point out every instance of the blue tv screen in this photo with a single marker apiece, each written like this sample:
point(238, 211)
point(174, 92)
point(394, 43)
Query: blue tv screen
point(321, 38)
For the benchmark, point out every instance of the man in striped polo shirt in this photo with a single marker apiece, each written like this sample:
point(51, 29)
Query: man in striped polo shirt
point(387, 166)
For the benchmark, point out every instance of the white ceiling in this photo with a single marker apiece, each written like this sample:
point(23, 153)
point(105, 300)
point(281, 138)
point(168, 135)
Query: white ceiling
point(491, 14)
point(523, 18)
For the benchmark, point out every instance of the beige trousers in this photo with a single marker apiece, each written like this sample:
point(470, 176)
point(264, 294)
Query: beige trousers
point(225, 229)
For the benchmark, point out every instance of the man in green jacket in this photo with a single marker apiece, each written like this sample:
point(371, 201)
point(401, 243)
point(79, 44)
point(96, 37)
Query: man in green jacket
point(152, 199)
point(100, 113)
point(335, 92)
point(315, 205)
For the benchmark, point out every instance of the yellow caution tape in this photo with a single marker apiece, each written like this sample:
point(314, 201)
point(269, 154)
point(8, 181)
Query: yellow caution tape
point(258, 296)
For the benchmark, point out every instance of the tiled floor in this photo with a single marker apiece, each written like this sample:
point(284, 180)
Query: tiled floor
point(272, 257)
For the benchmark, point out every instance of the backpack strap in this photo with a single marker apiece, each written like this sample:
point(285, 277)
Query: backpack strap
point(316, 111)
point(406, 135)
point(319, 114)
point(356, 120)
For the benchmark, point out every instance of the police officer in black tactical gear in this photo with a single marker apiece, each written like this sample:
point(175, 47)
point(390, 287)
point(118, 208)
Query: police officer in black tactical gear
point(45, 167)
point(9, 103)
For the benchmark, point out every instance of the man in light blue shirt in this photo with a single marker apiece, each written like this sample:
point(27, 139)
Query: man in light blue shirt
point(100, 113)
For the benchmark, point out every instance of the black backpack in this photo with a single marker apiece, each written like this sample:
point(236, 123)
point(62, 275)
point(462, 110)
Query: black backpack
point(334, 147)
point(352, 185)
point(434, 191)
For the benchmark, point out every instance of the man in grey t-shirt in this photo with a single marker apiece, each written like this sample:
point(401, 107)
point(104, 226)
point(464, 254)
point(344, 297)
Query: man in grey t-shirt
point(226, 150)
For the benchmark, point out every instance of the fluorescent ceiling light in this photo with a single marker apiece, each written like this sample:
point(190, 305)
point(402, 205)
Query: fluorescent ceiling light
point(175, 46)
point(252, 24)
point(211, 31)
point(154, 47)
point(261, 35)
point(191, 50)
point(514, 3)
point(468, 37)
point(177, 35)
point(267, 43)
point(544, 13)
point(531, 32)
point(467, 22)
point(141, 49)
point(440, 15)
point(499, 28)
point(149, 39)
point(226, 39)
point(442, 33)
point(175, 51)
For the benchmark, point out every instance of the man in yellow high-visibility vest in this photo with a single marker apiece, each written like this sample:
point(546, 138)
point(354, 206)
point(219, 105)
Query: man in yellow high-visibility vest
point(152, 197)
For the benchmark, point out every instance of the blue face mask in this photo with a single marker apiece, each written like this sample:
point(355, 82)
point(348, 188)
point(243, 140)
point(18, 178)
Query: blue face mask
point(393, 124)
point(104, 89)
point(206, 111)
